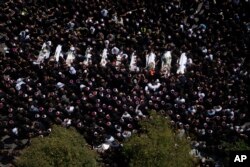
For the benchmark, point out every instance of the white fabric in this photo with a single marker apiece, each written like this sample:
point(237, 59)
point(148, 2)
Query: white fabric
point(189, 61)
point(19, 83)
point(133, 65)
point(195, 153)
point(44, 53)
point(67, 122)
point(88, 56)
point(106, 42)
point(126, 134)
point(58, 53)
point(217, 108)
point(211, 112)
point(137, 111)
point(71, 109)
point(92, 30)
point(180, 100)
point(102, 148)
point(70, 56)
point(82, 86)
point(126, 115)
point(104, 12)
point(182, 64)
point(115, 50)
point(201, 94)
point(104, 57)
point(24, 34)
point(119, 58)
point(150, 60)
point(15, 131)
point(192, 109)
point(154, 87)
point(110, 139)
point(72, 70)
point(166, 63)
point(59, 85)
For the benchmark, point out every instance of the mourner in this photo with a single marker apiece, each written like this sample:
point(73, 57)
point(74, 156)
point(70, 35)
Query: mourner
point(101, 66)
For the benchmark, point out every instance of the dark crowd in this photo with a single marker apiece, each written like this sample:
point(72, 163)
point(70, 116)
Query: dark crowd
point(106, 101)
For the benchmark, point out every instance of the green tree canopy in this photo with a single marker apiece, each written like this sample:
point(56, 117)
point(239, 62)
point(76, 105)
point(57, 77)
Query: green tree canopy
point(157, 146)
point(62, 148)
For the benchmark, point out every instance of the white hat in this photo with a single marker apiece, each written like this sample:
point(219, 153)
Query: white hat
point(182, 100)
point(82, 86)
point(105, 146)
point(72, 70)
point(115, 50)
point(59, 85)
point(49, 43)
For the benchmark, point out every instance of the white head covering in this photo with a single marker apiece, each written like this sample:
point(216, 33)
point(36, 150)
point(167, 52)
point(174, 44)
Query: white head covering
point(104, 12)
point(82, 86)
point(72, 48)
point(115, 50)
point(72, 70)
point(59, 85)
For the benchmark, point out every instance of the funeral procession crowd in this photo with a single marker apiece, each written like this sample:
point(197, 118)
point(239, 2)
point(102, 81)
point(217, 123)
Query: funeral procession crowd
point(101, 66)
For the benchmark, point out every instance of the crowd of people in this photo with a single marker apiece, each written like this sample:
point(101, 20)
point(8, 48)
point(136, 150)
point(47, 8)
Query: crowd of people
point(100, 68)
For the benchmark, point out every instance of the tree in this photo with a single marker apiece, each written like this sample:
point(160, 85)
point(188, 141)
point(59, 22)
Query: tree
point(157, 146)
point(63, 147)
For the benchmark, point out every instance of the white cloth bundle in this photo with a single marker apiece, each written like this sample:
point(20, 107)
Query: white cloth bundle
point(104, 57)
point(19, 83)
point(166, 63)
point(58, 53)
point(88, 56)
point(132, 65)
point(72, 70)
point(182, 64)
point(44, 53)
point(150, 60)
point(70, 56)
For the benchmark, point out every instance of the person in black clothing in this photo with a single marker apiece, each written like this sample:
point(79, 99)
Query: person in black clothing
point(209, 98)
